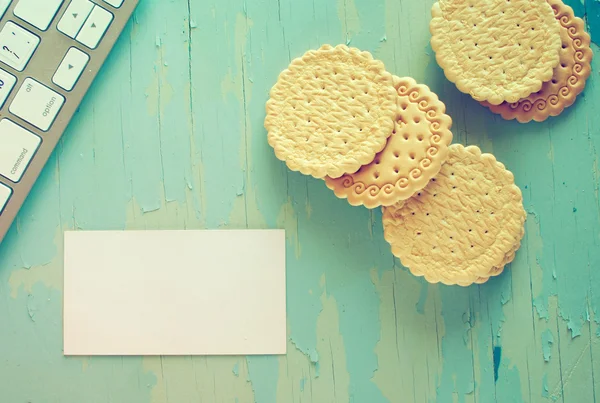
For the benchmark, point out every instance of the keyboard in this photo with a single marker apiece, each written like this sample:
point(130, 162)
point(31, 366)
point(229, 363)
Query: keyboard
point(50, 52)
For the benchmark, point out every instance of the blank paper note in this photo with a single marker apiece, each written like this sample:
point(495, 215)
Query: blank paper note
point(213, 292)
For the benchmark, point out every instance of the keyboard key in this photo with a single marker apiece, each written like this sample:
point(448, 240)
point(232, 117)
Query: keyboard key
point(94, 28)
point(4, 6)
point(7, 82)
point(70, 69)
point(5, 193)
point(38, 13)
point(36, 104)
point(114, 3)
point(74, 17)
point(17, 46)
point(17, 146)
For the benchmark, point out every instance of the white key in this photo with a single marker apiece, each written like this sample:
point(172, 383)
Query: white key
point(70, 69)
point(74, 17)
point(38, 13)
point(7, 82)
point(114, 3)
point(17, 146)
point(17, 46)
point(37, 104)
point(4, 6)
point(94, 28)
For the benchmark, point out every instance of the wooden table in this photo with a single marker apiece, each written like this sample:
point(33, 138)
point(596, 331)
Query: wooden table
point(171, 136)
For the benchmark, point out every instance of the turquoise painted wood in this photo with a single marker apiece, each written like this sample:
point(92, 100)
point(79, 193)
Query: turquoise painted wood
point(171, 136)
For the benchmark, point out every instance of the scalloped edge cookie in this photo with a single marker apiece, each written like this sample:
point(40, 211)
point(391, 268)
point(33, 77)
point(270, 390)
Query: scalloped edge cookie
point(495, 50)
point(331, 111)
point(422, 235)
point(554, 97)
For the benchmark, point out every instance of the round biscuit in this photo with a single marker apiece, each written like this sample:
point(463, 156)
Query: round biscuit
point(569, 76)
point(495, 50)
point(464, 225)
point(331, 111)
point(414, 153)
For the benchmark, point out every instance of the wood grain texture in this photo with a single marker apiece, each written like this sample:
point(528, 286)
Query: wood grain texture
point(171, 136)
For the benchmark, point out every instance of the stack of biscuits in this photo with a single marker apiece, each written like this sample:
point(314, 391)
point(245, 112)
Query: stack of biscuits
point(451, 213)
point(523, 59)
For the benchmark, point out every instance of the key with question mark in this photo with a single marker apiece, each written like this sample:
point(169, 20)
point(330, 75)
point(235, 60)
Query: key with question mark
point(17, 45)
point(5, 48)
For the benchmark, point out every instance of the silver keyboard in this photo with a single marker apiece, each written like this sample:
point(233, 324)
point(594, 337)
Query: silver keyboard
point(50, 52)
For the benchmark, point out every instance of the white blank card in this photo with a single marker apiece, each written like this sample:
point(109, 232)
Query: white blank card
point(213, 292)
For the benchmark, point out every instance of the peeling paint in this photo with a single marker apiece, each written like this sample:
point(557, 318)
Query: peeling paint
point(333, 381)
point(180, 379)
point(409, 357)
point(497, 355)
point(289, 220)
point(545, 386)
point(457, 357)
point(547, 341)
point(349, 17)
